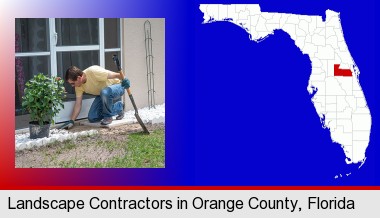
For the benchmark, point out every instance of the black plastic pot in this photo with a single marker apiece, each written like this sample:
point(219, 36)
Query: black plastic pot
point(37, 131)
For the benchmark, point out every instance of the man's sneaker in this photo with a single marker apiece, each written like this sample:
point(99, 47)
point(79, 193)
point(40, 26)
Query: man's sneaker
point(106, 121)
point(121, 114)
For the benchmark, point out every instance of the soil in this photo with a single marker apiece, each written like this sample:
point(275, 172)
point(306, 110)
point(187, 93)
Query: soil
point(87, 149)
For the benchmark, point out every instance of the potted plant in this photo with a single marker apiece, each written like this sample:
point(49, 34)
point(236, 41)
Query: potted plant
point(43, 99)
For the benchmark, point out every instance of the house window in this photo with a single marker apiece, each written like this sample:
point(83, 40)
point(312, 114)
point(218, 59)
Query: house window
point(77, 31)
point(32, 56)
point(32, 35)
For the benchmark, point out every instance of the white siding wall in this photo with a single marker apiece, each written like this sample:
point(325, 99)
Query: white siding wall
point(134, 64)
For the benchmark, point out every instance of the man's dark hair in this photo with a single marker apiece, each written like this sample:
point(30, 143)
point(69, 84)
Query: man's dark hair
point(72, 73)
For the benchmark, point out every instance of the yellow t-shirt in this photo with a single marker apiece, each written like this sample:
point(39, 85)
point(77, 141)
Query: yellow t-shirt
point(96, 81)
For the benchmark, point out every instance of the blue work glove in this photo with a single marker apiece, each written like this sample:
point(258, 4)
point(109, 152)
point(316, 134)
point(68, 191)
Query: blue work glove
point(125, 83)
point(67, 125)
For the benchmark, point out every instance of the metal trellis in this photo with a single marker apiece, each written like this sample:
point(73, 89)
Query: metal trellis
point(149, 64)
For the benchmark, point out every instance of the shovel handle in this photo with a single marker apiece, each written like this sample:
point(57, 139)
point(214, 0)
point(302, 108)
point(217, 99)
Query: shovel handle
point(121, 74)
point(128, 90)
point(117, 62)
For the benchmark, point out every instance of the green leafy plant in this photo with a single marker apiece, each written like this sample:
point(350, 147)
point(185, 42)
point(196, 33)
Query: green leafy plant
point(43, 98)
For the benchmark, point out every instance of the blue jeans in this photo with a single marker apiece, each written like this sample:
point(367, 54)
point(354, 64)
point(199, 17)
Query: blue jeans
point(103, 105)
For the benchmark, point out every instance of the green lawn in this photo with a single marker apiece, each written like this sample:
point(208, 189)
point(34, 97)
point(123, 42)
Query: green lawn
point(135, 151)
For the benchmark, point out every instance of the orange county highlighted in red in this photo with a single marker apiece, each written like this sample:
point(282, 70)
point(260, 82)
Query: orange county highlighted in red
point(341, 72)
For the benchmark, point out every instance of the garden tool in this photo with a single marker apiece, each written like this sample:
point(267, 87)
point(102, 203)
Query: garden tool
point(66, 125)
point(117, 62)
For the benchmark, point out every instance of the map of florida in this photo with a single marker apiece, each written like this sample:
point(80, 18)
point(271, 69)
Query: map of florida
point(334, 80)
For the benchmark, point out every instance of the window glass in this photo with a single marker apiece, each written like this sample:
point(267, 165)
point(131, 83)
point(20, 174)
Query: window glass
point(25, 69)
point(32, 35)
point(77, 31)
point(111, 33)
